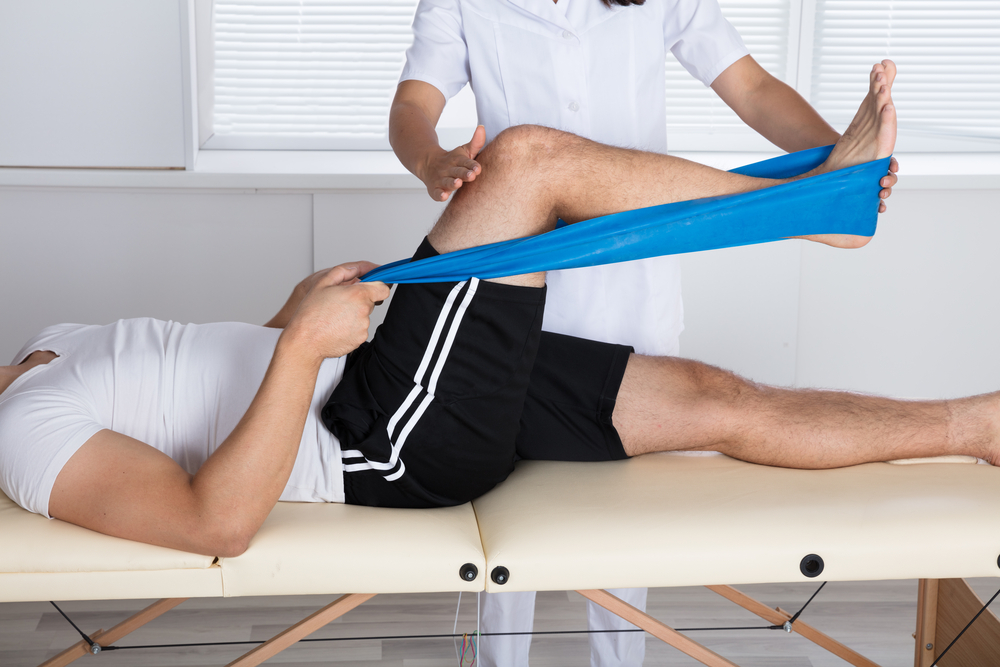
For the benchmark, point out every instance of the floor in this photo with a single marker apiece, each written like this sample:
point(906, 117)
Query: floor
point(877, 619)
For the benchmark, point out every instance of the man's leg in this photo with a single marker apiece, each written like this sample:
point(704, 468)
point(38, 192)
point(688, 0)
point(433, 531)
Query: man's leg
point(667, 404)
point(533, 175)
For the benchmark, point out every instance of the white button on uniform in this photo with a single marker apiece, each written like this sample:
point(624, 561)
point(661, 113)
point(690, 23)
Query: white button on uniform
point(567, 34)
point(573, 106)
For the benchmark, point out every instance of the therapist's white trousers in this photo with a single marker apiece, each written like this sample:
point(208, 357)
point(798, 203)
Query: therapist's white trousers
point(515, 612)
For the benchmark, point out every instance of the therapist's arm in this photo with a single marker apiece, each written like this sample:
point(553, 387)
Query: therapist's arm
point(776, 111)
point(412, 118)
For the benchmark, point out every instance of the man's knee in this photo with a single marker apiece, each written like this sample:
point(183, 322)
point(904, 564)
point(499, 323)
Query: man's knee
point(516, 194)
point(525, 146)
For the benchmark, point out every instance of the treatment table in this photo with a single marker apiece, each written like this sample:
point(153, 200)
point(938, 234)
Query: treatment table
point(660, 520)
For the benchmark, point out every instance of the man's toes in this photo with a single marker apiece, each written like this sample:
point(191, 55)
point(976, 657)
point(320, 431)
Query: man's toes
point(890, 71)
point(886, 132)
point(883, 95)
point(873, 82)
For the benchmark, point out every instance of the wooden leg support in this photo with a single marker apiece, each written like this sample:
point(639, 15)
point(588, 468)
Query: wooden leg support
point(927, 605)
point(267, 650)
point(302, 629)
point(657, 629)
point(102, 638)
point(944, 607)
point(707, 657)
point(779, 616)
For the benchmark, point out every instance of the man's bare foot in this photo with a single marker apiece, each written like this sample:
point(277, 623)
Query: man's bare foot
point(870, 136)
point(872, 133)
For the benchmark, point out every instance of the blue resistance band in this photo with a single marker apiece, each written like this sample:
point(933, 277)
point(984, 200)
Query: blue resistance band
point(838, 202)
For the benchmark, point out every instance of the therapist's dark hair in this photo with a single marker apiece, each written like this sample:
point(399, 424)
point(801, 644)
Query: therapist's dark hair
point(622, 3)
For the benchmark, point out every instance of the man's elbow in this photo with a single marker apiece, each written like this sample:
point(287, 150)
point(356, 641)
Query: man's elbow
point(221, 538)
point(232, 548)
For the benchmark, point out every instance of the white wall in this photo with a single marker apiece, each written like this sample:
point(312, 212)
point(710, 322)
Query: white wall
point(91, 84)
point(96, 256)
point(916, 307)
point(911, 314)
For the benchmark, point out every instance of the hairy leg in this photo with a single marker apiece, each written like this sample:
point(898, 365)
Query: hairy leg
point(533, 175)
point(669, 404)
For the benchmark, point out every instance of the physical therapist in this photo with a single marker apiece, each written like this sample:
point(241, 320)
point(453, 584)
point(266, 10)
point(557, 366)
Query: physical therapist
point(594, 68)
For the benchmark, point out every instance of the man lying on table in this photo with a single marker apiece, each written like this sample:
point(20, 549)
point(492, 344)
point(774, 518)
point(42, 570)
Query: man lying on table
point(186, 435)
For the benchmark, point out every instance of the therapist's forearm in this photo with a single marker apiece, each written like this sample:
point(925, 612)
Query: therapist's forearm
point(412, 117)
point(783, 117)
point(412, 137)
point(772, 107)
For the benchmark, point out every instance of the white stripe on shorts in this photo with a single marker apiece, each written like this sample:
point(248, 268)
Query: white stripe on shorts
point(425, 362)
point(432, 385)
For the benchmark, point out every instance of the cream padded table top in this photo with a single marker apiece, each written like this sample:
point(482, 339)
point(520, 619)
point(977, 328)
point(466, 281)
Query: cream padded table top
point(42, 559)
point(658, 520)
point(674, 520)
point(302, 548)
point(311, 548)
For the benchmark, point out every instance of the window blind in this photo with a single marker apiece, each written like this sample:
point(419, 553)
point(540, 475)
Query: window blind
point(307, 74)
point(948, 54)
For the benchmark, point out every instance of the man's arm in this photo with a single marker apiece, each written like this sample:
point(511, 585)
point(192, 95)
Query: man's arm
point(776, 111)
point(120, 486)
point(413, 116)
point(281, 319)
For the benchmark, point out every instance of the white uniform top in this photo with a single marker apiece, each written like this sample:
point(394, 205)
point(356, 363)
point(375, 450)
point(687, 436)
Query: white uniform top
point(181, 388)
point(599, 73)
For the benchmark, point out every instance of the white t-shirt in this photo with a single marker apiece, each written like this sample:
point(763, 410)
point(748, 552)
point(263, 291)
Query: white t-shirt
point(181, 388)
point(599, 73)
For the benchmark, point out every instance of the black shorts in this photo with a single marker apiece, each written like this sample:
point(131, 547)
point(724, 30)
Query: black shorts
point(459, 382)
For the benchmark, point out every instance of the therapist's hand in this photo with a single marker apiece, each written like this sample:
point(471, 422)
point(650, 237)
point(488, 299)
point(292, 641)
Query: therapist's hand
point(887, 182)
point(443, 172)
